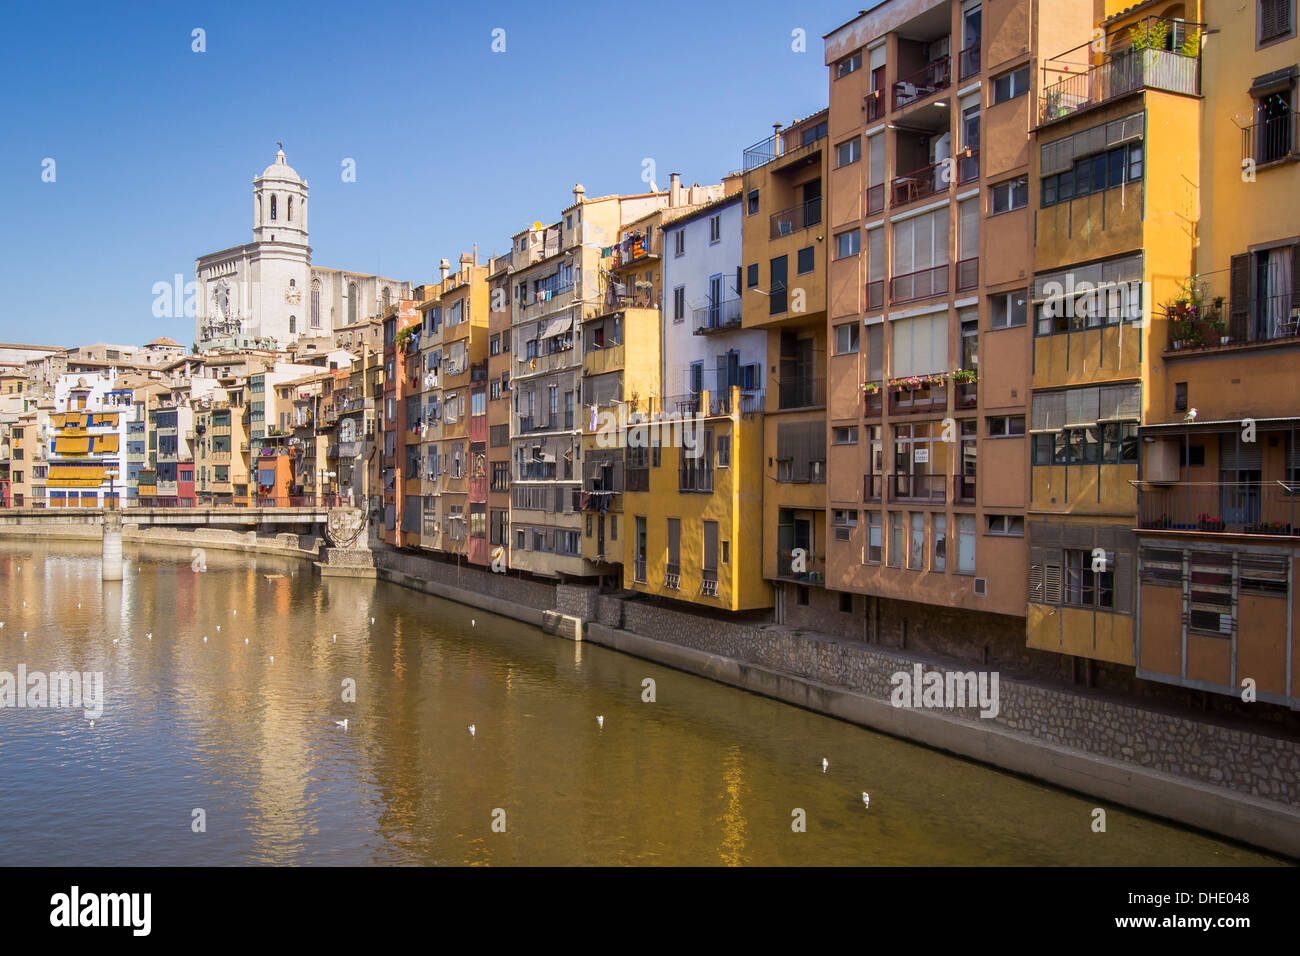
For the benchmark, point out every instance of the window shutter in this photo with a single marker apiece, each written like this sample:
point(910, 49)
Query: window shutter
point(1051, 576)
point(1049, 411)
point(1239, 293)
point(1124, 582)
point(1036, 558)
point(1120, 402)
point(1295, 276)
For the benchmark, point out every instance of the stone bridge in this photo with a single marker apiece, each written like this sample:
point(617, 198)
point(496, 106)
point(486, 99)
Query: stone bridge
point(305, 519)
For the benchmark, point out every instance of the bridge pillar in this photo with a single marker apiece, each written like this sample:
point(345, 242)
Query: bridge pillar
point(111, 563)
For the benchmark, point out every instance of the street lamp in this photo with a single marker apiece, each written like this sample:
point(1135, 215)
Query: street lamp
point(324, 476)
point(112, 473)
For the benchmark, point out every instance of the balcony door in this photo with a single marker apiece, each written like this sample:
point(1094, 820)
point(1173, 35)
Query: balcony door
point(1240, 469)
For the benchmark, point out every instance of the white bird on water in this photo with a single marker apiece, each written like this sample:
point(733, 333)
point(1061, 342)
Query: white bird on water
point(866, 799)
point(272, 658)
point(245, 641)
point(78, 604)
point(471, 730)
point(372, 620)
point(826, 764)
point(233, 612)
point(336, 638)
point(600, 720)
point(205, 638)
point(342, 723)
point(92, 725)
point(473, 623)
point(218, 627)
point(116, 639)
point(150, 635)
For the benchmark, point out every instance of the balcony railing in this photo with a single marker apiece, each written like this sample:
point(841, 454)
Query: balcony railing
point(792, 220)
point(875, 105)
point(875, 200)
point(1272, 139)
point(968, 273)
point(919, 183)
point(814, 567)
point(968, 165)
point(963, 488)
point(919, 285)
point(801, 393)
point(1267, 507)
point(1262, 319)
point(918, 487)
point(917, 401)
point(931, 78)
point(719, 316)
point(873, 487)
point(967, 395)
point(969, 61)
point(1122, 72)
point(638, 570)
point(672, 576)
point(873, 403)
point(875, 295)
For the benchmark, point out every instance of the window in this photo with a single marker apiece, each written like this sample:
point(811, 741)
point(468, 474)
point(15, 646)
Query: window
point(679, 242)
point(845, 434)
point(895, 539)
point(724, 451)
point(920, 344)
point(940, 560)
point(848, 243)
point(1006, 426)
point(1007, 525)
point(1093, 174)
point(751, 275)
point(1191, 456)
point(846, 338)
point(849, 151)
point(1010, 85)
point(494, 345)
point(776, 300)
point(850, 64)
point(1275, 20)
point(679, 303)
point(1012, 194)
point(715, 228)
point(1008, 310)
point(803, 264)
point(1085, 587)
point(916, 547)
point(965, 544)
point(873, 537)
point(1180, 396)
point(751, 202)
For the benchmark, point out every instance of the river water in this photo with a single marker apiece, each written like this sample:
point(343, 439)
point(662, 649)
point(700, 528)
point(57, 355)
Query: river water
point(705, 774)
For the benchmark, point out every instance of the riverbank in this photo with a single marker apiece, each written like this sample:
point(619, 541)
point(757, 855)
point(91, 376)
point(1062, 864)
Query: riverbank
point(1238, 782)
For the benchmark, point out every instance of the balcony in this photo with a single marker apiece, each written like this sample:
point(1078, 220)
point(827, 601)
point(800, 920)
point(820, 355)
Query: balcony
point(638, 570)
point(876, 295)
point(717, 317)
point(920, 183)
point(801, 393)
point(927, 399)
point(968, 61)
point(795, 219)
point(633, 250)
point(1260, 507)
point(597, 361)
point(963, 489)
point(814, 567)
point(967, 395)
point(873, 402)
point(1272, 140)
point(930, 79)
point(875, 200)
point(874, 102)
point(1120, 73)
point(932, 488)
point(922, 284)
point(219, 457)
point(782, 143)
point(1260, 320)
point(672, 576)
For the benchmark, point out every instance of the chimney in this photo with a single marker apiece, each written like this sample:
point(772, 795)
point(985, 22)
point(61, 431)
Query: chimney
point(578, 192)
point(444, 266)
point(776, 135)
point(466, 260)
point(674, 189)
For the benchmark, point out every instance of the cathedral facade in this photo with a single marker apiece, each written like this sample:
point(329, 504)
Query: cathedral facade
point(266, 293)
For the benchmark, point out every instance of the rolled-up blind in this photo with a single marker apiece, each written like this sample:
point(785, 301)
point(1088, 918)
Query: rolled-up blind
point(1049, 411)
point(1121, 402)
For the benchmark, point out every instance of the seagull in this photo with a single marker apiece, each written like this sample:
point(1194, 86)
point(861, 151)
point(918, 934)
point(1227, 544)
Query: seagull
point(342, 723)
point(1191, 415)
point(205, 638)
point(272, 658)
point(473, 623)
point(600, 720)
point(336, 638)
point(372, 620)
point(150, 635)
point(471, 730)
point(233, 612)
point(92, 725)
point(826, 764)
point(866, 799)
point(116, 639)
point(245, 641)
point(218, 627)
point(78, 604)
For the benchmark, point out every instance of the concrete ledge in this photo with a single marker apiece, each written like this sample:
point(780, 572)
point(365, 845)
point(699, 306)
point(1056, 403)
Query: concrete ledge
point(1270, 825)
point(246, 542)
point(501, 606)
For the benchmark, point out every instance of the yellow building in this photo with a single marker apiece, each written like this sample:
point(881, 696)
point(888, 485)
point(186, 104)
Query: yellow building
point(785, 249)
point(694, 499)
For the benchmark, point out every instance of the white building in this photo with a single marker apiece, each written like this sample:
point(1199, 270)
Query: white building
point(704, 346)
point(88, 441)
point(266, 292)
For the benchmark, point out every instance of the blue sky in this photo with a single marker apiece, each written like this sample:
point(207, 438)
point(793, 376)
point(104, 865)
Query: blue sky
point(155, 146)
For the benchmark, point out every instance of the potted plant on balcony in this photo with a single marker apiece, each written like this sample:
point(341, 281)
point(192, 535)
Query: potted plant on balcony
point(965, 376)
point(909, 383)
point(935, 380)
point(1208, 523)
point(871, 388)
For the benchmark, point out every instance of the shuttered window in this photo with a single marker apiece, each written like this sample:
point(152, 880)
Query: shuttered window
point(798, 446)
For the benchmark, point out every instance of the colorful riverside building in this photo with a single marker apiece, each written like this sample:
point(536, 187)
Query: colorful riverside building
point(1218, 505)
point(692, 466)
point(88, 437)
point(785, 251)
point(221, 446)
point(498, 410)
point(399, 381)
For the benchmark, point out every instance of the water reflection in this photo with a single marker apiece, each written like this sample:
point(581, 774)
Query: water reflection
point(703, 775)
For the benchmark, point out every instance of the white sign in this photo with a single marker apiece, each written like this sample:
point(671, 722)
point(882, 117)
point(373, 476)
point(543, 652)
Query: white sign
point(921, 456)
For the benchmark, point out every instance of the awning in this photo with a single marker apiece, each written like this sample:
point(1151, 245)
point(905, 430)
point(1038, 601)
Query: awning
point(106, 443)
point(1219, 425)
point(72, 476)
point(558, 326)
point(66, 445)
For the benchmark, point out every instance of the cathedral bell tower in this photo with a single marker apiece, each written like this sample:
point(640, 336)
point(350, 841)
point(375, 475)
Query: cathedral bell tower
point(280, 204)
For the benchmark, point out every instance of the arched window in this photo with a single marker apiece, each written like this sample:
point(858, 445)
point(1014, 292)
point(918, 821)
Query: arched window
point(293, 324)
point(289, 210)
point(273, 209)
point(385, 298)
point(292, 283)
point(315, 303)
point(352, 303)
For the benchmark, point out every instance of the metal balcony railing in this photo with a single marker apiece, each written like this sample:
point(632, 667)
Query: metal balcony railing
point(718, 316)
point(796, 218)
point(875, 295)
point(801, 393)
point(875, 199)
point(933, 398)
point(919, 285)
point(969, 61)
point(904, 487)
point(968, 273)
point(930, 79)
point(873, 403)
point(1258, 319)
point(1122, 72)
point(919, 183)
point(1244, 507)
point(875, 105)
point(1272, 139)
point(873, 487)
